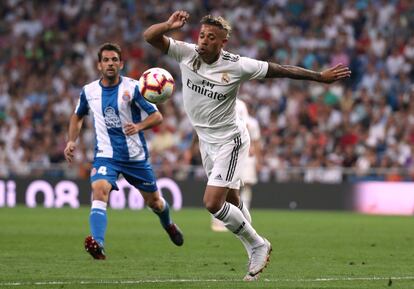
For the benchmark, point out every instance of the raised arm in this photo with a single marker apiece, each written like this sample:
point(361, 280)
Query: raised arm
point(154, 34)
point(329, 75)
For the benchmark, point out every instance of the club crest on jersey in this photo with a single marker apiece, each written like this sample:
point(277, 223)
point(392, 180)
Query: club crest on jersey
point(93, 172)
point(112, 120)
point(225, 77)
point(126, 96)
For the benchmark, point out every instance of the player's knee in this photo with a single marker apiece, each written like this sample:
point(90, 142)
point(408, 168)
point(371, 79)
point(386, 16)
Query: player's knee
point(100, 191)
point(212, 205)
point(155, 204)
point(100, 195)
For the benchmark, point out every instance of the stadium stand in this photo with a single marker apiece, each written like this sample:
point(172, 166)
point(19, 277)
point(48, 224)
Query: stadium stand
point(362, 128)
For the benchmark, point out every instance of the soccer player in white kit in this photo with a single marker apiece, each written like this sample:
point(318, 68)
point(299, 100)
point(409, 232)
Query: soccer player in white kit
point(211, 78)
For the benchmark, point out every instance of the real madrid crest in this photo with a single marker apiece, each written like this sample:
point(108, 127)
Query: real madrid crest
point(225, 78)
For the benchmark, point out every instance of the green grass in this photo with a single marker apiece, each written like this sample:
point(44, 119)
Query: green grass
point(311, 250)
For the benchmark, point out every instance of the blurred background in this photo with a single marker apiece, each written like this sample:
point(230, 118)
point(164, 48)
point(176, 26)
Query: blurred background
point(358, 129)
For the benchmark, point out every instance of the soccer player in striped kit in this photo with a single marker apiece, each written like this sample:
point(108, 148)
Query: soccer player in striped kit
point(211, 78)
point(120, 115)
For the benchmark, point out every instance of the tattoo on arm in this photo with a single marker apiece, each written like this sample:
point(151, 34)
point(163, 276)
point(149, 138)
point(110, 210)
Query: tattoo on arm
point(291, 71)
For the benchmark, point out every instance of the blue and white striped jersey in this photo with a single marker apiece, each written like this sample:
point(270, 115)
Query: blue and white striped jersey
point(112, 107)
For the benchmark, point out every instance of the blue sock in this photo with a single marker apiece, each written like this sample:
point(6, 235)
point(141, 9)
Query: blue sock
point(164, 215)
point(98, 222)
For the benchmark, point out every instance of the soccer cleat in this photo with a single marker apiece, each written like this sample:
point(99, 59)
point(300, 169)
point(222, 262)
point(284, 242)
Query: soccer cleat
point(93, 248)
point(175, 234)
point(250, 278)
point(260, 258)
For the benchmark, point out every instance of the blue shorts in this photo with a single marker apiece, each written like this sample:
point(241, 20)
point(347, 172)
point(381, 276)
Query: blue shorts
point(137, 173)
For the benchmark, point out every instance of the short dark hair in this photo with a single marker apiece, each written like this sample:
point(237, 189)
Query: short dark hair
point(111, 47)
point(219, 22)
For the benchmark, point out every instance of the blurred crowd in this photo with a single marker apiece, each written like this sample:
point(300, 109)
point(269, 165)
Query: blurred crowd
point(359, 128)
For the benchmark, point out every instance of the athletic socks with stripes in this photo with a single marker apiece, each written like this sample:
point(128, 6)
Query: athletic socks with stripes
point(245, 212)
point(235, 222)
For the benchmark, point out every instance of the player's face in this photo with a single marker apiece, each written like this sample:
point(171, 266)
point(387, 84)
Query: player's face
point(110, 64)
point(210, 41)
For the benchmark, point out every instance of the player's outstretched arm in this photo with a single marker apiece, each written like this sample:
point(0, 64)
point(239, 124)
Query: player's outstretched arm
point(329, 75)
point(154, 34)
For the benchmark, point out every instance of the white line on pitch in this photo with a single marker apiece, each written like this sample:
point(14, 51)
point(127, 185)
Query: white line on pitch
point(114, 282)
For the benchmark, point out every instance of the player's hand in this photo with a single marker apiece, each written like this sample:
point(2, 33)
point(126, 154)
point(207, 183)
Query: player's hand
point(335, 73)
point(69, 151)
point(178, 19)
point(131, 128)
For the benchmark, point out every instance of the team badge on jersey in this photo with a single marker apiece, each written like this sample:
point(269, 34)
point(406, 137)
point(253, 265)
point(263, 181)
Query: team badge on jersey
point(126, 96)
point(112, 120)
point(93, 172)
point(225, 77)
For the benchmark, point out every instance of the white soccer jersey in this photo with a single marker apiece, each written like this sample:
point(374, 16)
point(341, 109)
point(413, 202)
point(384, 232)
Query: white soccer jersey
point(209, 90)
point(112, 107)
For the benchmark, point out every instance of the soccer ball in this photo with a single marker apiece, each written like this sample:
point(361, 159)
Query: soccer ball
point(156, 85)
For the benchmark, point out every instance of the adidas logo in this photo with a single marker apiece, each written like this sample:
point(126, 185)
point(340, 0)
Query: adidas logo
point(218, 177)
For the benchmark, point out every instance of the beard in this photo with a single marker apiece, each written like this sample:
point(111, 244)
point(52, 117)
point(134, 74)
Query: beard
point(111, 75)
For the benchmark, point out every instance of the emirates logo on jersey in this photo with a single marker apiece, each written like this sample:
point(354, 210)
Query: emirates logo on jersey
point(207, 89)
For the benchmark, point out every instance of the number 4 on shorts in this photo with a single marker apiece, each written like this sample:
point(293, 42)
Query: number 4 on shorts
point(102, 170)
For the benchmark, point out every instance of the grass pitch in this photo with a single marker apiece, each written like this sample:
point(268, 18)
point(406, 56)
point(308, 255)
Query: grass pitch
point(43, 248)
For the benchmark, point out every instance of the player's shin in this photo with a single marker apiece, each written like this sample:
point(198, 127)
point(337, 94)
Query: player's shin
point(98, 221)
point(164, 213)
point(245, 211)
point(235, 221)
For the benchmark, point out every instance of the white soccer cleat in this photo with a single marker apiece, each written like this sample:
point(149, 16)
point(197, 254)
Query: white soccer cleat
point(259, 259)
point(250, 278)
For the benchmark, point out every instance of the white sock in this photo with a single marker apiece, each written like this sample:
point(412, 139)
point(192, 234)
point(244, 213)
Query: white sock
point(245, 211)
point(246, 214)
point(99, 205)
point(234, 220)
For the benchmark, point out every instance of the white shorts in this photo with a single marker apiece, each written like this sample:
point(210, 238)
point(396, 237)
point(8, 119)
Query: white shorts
point(249, 172)
point(224, 162)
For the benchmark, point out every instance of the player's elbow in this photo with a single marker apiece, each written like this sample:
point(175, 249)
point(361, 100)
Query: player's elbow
point(147, 36)
point(151, 37)
point(158, 118)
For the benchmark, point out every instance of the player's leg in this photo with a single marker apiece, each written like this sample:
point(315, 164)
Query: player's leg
point(141, 176)
point(233, 197)
point(224, 175)
point(103, 178)
point(233, 219)
point(162, 209)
